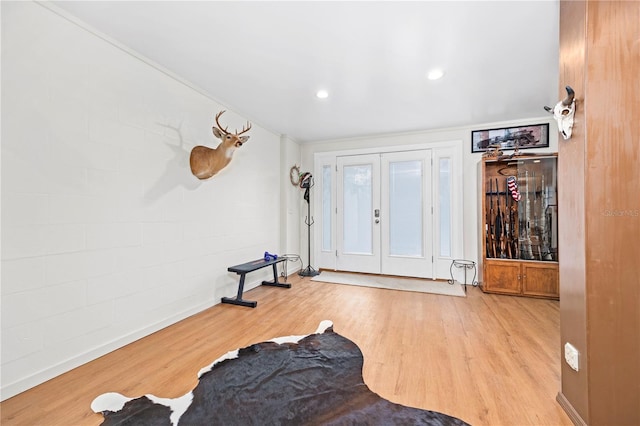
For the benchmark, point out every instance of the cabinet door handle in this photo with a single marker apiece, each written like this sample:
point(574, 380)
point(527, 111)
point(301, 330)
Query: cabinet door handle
point(518, 276)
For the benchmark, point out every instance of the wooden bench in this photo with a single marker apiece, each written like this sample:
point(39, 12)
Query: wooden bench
point(243, 269)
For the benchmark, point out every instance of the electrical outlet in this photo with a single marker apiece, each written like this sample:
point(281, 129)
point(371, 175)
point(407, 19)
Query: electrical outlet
point(571, 356)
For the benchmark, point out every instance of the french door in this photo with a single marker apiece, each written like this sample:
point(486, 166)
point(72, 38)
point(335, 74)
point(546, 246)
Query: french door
point(384, 213)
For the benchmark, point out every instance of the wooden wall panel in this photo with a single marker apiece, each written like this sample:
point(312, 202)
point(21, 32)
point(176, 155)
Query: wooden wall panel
point(571, 196)
point(599, 184)
point(612, 211)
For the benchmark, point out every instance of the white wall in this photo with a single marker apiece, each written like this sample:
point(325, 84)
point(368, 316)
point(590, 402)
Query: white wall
point(106, 235)
point(290, 206)
point(470, 162)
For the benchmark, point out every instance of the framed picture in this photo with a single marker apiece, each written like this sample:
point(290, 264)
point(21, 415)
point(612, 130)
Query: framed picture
point(524, 137)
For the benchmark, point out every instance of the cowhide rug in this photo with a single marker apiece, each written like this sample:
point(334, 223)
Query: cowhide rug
point(295, 380)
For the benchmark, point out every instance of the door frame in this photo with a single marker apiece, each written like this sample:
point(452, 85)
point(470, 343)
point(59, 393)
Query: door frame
point(325, 257)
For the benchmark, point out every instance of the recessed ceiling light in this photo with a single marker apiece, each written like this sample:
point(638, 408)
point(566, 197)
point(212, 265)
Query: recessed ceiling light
point(435, 74)
point(322, 94)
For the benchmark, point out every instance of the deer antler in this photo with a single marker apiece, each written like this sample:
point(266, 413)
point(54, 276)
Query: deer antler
point(243, 129)
point(222, 129)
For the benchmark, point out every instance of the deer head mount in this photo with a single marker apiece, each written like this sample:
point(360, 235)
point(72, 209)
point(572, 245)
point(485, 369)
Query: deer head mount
point(206, 162)
point(563, 113)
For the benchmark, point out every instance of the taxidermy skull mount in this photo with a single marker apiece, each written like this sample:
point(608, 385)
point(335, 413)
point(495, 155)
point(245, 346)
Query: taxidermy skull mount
point(206, 162)
point(563, 112)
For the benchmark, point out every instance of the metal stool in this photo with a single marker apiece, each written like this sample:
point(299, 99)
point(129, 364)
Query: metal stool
point(463, 264)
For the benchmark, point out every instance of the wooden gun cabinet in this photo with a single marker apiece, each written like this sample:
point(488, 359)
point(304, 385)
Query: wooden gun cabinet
point(519, 226)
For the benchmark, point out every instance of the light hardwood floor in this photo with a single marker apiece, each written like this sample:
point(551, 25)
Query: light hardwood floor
point(487, 359)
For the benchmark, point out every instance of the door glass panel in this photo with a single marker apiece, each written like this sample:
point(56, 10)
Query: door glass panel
point(405, 208)
point(358, 210)
point(326, 208)
point(444, 205)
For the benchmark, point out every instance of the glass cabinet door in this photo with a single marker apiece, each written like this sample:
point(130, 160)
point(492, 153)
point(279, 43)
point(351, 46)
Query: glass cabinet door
point(521, 210)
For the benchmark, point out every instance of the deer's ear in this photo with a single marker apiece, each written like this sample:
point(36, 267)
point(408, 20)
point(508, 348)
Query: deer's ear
point(217, 133)
point(243, 139)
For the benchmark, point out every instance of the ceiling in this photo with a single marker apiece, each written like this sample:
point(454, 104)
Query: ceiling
point(266, 60)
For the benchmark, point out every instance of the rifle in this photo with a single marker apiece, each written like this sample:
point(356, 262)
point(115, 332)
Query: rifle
point(498, 228)
point(487, 233)
point(508, 201)
point(515, 230)
point(544, 223)
point(491, 228)
point(536, 218)
point(527, 212)
point(506, 249)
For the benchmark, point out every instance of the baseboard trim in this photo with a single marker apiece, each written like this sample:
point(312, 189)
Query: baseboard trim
point(12, 389)
point(35, 379)
point(571, 412)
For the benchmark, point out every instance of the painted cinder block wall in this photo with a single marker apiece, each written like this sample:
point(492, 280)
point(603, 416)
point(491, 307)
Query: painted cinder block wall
point(291, 203)
point(106, 235)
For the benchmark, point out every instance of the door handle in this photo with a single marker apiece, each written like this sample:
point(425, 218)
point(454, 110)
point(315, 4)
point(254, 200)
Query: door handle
point(376, 213)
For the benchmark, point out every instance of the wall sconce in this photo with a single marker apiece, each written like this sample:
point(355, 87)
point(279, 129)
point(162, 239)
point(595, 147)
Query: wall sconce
point(563, 112)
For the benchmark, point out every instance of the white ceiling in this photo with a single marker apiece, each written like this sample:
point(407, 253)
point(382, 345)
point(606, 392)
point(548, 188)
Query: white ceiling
point(265, 60)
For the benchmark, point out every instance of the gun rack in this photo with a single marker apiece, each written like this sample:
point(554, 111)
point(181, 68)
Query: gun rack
point(519, 226)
